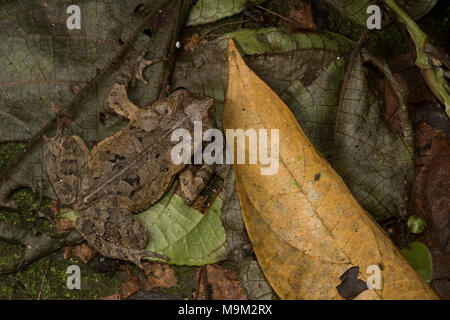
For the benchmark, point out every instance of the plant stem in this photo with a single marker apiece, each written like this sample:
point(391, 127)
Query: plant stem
point(433, 75)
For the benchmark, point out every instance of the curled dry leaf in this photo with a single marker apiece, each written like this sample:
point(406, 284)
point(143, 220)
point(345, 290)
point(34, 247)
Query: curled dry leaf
point(306, 232)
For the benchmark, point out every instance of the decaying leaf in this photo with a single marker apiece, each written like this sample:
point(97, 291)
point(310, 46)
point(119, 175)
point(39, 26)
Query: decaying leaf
point(351, 286)
point(84, 252)
point(376, 163)
point(431, 202)
point(238, 245)
point(115, 296)
point(306, 232)
point(302, 16)
point(63, 224)
point(160, 275)
point(129, 287)
point(221, 284)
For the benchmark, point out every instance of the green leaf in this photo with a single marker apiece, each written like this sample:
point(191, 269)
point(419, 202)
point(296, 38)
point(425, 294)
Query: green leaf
point(207, 11)
point(307, 71)
point(419, 257)
point(416, 225)
point(183, 234)
point(356, 10)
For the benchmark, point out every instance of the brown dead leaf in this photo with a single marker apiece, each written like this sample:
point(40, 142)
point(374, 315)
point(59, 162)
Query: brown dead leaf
point(431, 202)
point(221, 284)
point(303, 16)
point(54, 206)
point(84, 252)
point(160, 275)
point(306, 232)
point(66, 252)
point(423, 136)
point(128, 288)
point(115, 296)
point(62, 225)
point(191, 43)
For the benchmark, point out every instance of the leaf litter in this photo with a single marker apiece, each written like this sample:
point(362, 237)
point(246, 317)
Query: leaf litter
point(265, 57)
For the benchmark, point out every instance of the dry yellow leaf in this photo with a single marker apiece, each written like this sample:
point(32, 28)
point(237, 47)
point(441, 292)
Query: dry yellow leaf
point(306, 228)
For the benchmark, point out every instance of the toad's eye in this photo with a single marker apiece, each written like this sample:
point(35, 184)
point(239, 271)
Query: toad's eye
point(164, 109)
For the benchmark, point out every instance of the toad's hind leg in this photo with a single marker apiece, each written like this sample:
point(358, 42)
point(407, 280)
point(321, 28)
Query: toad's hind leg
point(115, 233)
point(66, 160)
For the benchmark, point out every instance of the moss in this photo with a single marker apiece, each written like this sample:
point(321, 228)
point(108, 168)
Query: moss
point(27, 216)
point(388, 42)
point(26, 283)
point(8, 151)
point(329, 18)
point(10, 255)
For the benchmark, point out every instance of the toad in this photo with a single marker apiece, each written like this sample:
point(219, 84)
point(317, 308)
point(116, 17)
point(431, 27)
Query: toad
point(129, 171)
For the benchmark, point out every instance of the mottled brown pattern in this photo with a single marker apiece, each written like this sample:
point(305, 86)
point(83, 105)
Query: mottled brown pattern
point(126, 172)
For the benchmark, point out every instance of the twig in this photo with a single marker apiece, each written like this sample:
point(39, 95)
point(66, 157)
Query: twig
point(202, 276)
point(43, 278)
point(278, 15)
point(172, 51)
point(432, 74)
point(351, 62)
point(218, 27)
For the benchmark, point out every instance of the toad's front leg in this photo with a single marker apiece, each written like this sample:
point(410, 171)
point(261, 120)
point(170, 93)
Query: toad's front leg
point(193, 180)
point(117, 100)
